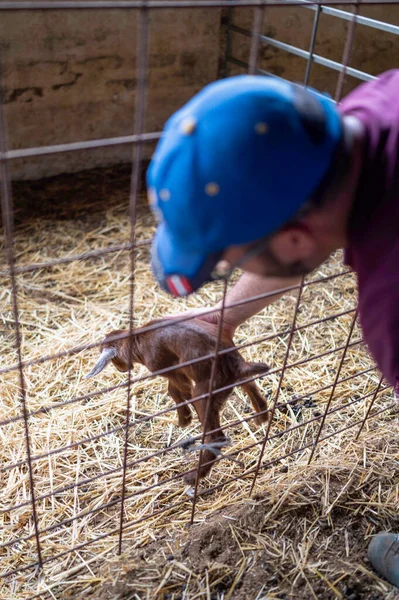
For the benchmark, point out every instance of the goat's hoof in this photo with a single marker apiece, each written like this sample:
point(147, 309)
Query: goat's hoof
point(190, 477)
point(262, 418)
point(185, 421)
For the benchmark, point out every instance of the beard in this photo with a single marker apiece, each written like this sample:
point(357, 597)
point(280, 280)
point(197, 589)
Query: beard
point(274, 268)
point(297, 269)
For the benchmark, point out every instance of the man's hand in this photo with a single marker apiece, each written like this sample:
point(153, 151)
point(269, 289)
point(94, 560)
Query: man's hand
point(213, 318)
point(248, 286)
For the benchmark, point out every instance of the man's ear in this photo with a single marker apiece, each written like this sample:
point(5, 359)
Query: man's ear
point(294, 242)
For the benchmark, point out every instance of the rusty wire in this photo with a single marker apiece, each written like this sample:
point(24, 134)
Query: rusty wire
point(350, 34)
point(187, 402)
point(210, 394)
point(280, 406)
point(201, 493)
point(182, 444)
point(191, 443)
point(312, 45)
point(377, 390)
point(137, 140)
point(259, 14)
point(280, 381)
point(323, 420)
point(168, 4)
point(267, 338)
point(142, 70)
point(165, 323)
point(8, 221)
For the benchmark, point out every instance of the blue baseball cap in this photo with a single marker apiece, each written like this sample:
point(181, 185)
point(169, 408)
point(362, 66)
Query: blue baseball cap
point(234, 165)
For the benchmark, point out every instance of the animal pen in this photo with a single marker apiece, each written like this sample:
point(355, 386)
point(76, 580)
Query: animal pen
point(94, 501)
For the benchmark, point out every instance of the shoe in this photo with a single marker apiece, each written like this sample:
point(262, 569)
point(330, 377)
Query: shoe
point(383, 553)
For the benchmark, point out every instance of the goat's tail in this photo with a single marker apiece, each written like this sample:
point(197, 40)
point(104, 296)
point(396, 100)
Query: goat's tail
point(258, 402)
point(249, 369)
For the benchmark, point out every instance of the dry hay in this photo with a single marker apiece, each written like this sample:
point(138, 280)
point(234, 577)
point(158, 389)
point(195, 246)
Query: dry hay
point(67, 305)
point(303, 539)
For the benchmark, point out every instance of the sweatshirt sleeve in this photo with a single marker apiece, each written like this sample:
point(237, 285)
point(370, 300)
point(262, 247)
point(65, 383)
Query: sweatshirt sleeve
point(379, 317)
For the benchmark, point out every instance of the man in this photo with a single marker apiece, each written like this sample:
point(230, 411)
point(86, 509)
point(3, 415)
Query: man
point(273, 178)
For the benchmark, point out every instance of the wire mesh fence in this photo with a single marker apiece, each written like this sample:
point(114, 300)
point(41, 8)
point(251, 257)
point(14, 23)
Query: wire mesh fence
point(314, 340)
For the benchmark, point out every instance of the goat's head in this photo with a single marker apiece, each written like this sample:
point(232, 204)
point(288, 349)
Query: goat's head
point(115, 349)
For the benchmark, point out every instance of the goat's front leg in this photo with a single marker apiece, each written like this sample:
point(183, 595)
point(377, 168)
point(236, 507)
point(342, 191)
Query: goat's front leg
point(180, 391)
point(213, 426)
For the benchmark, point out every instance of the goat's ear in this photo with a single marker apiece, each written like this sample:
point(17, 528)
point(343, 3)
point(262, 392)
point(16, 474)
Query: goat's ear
point(105, 357)
point(249, 369)
point(120, 364)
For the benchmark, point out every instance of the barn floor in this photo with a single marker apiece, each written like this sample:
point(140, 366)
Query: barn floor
point(307, 534)
point(305, 540)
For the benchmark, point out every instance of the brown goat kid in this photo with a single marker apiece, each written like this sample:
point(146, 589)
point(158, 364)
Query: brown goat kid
point(179, 343)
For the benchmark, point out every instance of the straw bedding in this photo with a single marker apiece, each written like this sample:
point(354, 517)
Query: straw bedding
point(306, 535)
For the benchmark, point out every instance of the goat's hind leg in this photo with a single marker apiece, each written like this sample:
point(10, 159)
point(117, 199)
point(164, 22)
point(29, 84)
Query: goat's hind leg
point(213, 426)
point(180, 391)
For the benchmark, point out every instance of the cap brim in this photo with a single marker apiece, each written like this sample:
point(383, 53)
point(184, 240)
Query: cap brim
point(177, 270)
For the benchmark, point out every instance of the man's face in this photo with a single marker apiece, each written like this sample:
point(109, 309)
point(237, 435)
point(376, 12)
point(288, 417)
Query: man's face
point(293, 252)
